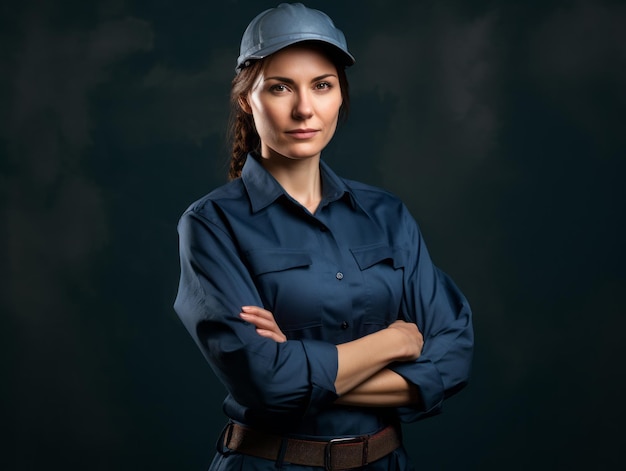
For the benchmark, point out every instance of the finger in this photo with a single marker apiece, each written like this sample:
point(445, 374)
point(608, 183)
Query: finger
point(251, 318)
point(262, 319)
point(260, 323)
point(258, 311)
point(271, 335)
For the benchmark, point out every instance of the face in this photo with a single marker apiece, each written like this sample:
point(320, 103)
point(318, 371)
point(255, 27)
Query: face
point(295, 103)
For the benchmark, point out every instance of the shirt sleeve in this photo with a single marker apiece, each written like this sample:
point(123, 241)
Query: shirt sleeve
point(281, 380)
point(443, 315)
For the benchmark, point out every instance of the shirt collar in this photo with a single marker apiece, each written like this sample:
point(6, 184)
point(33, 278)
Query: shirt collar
point(263, 189)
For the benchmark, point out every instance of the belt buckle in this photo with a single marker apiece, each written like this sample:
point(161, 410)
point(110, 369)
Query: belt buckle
point(328, 451)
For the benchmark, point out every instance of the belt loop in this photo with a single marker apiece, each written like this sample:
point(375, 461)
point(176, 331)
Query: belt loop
point(364, 459)
point(224, 439)
point(281, 453)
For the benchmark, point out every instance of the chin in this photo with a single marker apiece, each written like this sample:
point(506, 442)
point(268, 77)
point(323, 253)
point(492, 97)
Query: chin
point(301, 153)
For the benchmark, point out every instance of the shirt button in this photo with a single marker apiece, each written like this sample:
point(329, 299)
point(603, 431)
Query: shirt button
point(339, 275)
point(344, 325)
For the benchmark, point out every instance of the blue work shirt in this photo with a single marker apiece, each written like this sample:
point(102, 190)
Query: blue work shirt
point(350, 269)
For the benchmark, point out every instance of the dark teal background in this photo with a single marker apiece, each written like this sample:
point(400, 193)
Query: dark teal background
point(500, 124)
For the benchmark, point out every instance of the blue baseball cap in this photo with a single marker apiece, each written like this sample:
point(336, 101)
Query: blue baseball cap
point(287, 24)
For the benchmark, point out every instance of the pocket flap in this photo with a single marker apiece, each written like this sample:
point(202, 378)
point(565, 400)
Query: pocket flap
point(366, 257)
point(265, 261)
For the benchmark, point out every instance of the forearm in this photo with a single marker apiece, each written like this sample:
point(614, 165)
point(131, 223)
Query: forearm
point(363, 358)
point(385, 389)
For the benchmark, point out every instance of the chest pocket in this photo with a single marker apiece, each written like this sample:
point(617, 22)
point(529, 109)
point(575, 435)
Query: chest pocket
point(382, 270)
point(266, 261)
point(366, 257)
point(286, 280)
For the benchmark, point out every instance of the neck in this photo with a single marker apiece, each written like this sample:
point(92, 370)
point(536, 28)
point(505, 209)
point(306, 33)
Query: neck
point(299, 177)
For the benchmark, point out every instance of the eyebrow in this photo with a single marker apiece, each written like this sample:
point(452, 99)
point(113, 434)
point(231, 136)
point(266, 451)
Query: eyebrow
point(291, 81)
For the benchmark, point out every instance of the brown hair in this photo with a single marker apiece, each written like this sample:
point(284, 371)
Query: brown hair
point(242, 132)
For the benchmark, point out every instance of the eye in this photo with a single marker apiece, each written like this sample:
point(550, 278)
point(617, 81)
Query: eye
point(278, 88)
point(323, 85)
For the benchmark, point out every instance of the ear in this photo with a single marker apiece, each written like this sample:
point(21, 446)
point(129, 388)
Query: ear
point(245, 106)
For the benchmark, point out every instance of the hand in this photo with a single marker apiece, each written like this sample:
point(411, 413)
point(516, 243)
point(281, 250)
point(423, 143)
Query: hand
point(411, 340)
point(264, 322)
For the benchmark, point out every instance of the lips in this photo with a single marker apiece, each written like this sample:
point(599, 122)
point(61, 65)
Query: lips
point(303, 133)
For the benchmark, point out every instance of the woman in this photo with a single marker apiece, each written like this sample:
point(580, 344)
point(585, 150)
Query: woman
point(313, 298)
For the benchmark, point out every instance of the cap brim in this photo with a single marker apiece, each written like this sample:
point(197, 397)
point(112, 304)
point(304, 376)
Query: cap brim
point(263, 52)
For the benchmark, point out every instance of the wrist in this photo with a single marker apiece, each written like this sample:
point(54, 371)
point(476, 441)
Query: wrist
point(393, 342)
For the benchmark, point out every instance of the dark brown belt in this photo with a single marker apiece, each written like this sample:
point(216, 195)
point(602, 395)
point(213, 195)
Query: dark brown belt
point(334, 455)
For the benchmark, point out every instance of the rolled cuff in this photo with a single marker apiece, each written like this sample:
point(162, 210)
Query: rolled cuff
point(323, 363)
point(426, 377)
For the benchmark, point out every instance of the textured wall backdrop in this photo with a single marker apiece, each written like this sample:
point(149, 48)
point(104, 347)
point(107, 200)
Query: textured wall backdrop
point(500, 123)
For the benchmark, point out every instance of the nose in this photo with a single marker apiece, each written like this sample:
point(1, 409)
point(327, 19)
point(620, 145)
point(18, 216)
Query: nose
point(302, 107)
